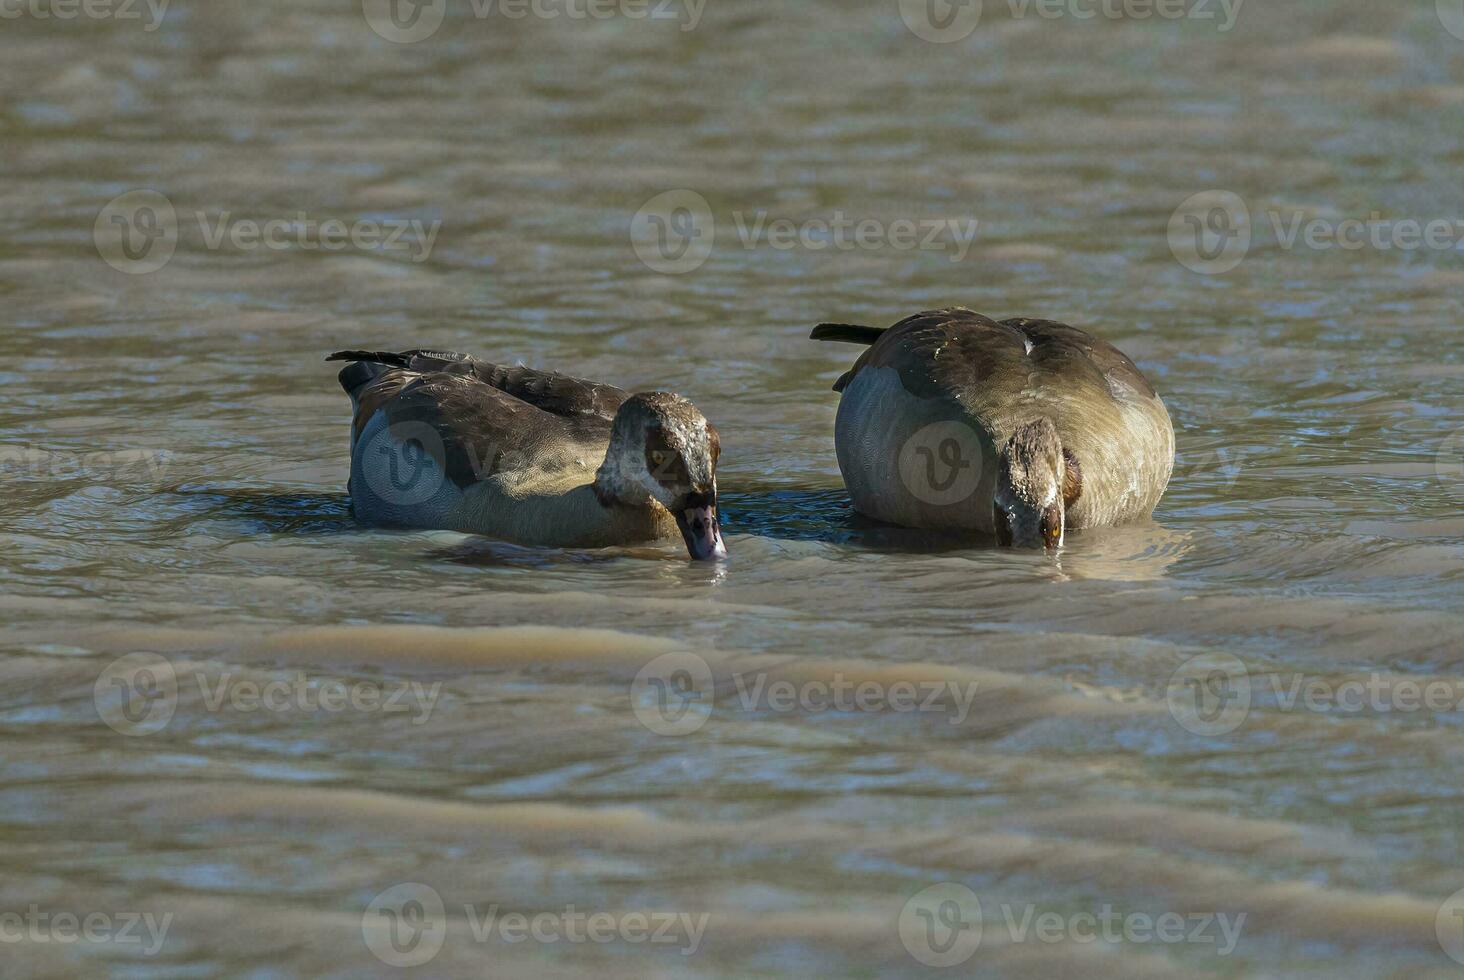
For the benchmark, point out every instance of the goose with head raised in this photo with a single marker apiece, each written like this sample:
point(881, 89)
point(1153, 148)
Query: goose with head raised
point(443, 440)
point(1020, 428)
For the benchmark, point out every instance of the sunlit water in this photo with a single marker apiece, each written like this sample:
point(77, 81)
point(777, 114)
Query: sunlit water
point(174, 455)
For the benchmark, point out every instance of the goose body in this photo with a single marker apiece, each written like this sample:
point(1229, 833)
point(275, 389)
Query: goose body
point(950, 418)
point(443, 440)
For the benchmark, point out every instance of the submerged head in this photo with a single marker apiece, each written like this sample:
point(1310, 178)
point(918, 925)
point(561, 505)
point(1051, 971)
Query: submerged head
point(1028, 509)
point(661, 446)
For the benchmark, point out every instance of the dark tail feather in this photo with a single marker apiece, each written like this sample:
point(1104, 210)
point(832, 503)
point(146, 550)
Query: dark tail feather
point(369, 364)
point(847, 333)
point(394, 359)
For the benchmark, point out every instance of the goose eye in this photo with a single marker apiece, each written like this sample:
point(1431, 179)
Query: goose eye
point(1051, 527)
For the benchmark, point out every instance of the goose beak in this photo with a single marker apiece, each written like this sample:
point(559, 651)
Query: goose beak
point(698, 522)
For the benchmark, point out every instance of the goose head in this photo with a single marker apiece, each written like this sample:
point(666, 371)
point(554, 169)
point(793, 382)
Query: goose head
point(663, 449)
point(1028, 506)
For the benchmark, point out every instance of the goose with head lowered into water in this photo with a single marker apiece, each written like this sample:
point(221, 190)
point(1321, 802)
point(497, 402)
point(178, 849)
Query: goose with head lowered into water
point(442, 440)
point(1019, 428)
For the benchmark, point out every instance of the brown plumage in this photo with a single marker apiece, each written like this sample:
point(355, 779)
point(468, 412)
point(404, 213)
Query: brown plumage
point(1109, 460)
point(444, 440)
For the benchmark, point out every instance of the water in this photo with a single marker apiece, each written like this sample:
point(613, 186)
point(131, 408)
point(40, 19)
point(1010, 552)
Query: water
point(175, 454)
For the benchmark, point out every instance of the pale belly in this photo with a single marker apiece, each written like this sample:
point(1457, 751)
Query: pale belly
point(396, 481)
point(911, 461)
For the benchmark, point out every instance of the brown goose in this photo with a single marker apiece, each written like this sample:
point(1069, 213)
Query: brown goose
point(441, 440)
point(1020, 428)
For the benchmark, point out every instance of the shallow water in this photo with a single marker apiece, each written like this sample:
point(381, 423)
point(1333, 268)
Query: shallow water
point(174, 453)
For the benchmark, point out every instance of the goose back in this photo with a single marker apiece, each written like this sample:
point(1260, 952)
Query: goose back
point(958, 367)
point(443, 440)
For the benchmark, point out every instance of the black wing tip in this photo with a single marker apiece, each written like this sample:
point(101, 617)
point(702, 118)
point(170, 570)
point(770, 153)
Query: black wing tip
point(848, 333)
point(396, 358)
point(375, 356)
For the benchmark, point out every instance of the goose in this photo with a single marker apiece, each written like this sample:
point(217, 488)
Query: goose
point(1017, 428)
point(443, 440)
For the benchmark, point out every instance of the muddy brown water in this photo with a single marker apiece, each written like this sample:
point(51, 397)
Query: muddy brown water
point(308, 749)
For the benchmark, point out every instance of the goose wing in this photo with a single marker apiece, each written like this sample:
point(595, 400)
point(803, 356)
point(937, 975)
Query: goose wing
point(959, 353)
point(473, 428)
point(549, 391)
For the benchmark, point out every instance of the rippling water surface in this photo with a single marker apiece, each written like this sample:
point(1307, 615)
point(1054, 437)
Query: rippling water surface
point(174, 456)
